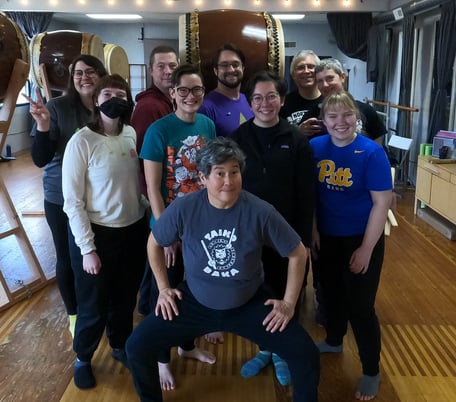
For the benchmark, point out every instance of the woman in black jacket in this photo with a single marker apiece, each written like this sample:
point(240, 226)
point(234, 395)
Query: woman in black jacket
point(279, 169)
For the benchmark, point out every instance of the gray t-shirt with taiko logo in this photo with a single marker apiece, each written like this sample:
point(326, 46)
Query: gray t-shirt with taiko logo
point(222, 247)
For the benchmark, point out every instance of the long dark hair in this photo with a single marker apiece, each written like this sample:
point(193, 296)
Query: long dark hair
point(110, 81)
point(91, 61)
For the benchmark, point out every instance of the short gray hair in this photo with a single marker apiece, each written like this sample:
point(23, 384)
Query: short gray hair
point(218, 151)
point(302, 54)
point(330, 64)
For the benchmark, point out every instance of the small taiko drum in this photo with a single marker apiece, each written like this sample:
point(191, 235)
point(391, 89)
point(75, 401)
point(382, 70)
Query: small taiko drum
point(257, 34)
point(116, 60)
point(13, 46)
point(56, 50)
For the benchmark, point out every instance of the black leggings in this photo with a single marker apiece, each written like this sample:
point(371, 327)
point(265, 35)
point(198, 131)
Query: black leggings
point(350, 297)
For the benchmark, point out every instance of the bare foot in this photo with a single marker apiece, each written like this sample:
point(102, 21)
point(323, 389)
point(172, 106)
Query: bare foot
point(368, 387)
point(214, 337)
point(166, 377)
point(197, 354)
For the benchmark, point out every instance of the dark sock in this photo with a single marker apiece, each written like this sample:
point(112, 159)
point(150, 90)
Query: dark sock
point(120, 355)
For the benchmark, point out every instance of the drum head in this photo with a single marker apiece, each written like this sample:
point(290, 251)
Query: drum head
point(13, 46)
point(258, 35)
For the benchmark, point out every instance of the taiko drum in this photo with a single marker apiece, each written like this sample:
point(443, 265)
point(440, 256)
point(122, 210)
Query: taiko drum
point(13, 46)
point(56, 50)
point(257, 34)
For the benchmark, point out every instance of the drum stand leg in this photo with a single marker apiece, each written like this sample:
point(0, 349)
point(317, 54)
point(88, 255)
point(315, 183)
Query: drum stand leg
point(15, 228)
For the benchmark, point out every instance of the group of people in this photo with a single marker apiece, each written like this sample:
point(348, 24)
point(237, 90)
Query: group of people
point(212, 206)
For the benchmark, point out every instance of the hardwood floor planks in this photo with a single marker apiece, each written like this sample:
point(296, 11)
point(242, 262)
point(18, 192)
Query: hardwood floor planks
point(416, 304)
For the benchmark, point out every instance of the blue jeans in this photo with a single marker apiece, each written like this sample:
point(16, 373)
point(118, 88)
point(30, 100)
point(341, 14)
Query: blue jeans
point(58, 223)
point(154, 334)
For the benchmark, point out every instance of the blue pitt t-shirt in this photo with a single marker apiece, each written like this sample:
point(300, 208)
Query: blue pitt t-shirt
point(345, 177)
point(222, 247)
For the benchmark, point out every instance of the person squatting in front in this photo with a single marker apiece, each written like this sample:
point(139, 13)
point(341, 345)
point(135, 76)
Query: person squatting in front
point(223, 230)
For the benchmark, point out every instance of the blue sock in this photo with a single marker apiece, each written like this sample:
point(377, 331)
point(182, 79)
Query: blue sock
point(281, 370)
point(255, 365)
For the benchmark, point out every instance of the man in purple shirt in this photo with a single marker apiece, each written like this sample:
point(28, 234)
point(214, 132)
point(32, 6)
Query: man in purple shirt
point(226, 106)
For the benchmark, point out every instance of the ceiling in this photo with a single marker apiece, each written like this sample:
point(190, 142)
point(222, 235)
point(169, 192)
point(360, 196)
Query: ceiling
point(164, 11)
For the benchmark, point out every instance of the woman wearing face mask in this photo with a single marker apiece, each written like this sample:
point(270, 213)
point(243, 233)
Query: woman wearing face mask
point(107, 218)
point(55, 123)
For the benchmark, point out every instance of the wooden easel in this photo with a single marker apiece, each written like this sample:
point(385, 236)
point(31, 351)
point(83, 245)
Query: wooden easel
point(17, 81)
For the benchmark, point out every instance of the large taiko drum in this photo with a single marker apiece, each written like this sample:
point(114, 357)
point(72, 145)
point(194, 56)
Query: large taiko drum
point(116, 60)
point(56, 50)
point(258, 35)
point(13, 46)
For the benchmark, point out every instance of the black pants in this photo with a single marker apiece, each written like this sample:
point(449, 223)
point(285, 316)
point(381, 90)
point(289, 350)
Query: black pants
point(58, 223)
point(175, 277)
point(154, 334)
point(275, 276)
point(108, 299)
point(350, 297)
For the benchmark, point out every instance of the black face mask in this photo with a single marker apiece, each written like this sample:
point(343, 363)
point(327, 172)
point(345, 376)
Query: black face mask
point(115, 107)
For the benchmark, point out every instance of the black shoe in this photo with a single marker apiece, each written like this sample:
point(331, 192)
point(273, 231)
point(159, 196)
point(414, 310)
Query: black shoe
point(83, 376)
point(121, 356)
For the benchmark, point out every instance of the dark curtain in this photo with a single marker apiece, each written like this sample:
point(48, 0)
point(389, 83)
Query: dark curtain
point(31, 23)
point(378, 48)
point(350, 31)
point(408, 29)
point(445, 51)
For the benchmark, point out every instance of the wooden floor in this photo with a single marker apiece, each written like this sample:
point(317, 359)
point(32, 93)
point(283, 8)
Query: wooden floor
point(416, 305)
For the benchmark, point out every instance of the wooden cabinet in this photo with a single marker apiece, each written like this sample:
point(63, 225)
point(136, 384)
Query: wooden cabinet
point(436, 187)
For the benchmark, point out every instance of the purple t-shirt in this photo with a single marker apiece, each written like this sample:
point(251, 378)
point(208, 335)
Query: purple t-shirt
point(227, 114)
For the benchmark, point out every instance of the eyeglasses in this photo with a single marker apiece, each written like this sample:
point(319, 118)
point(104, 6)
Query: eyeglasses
point(89, 73)
point(184, 91)
point(227, 64)
point(302, 67)
point(271, 97)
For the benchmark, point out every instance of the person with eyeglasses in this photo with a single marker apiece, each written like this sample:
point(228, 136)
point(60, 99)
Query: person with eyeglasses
point(223, 228)
point(151, 105)
point(279, 169)
point(54, 124)
point(306, 96)
point(168, 152)
point(331, 78)
point(226, 105)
